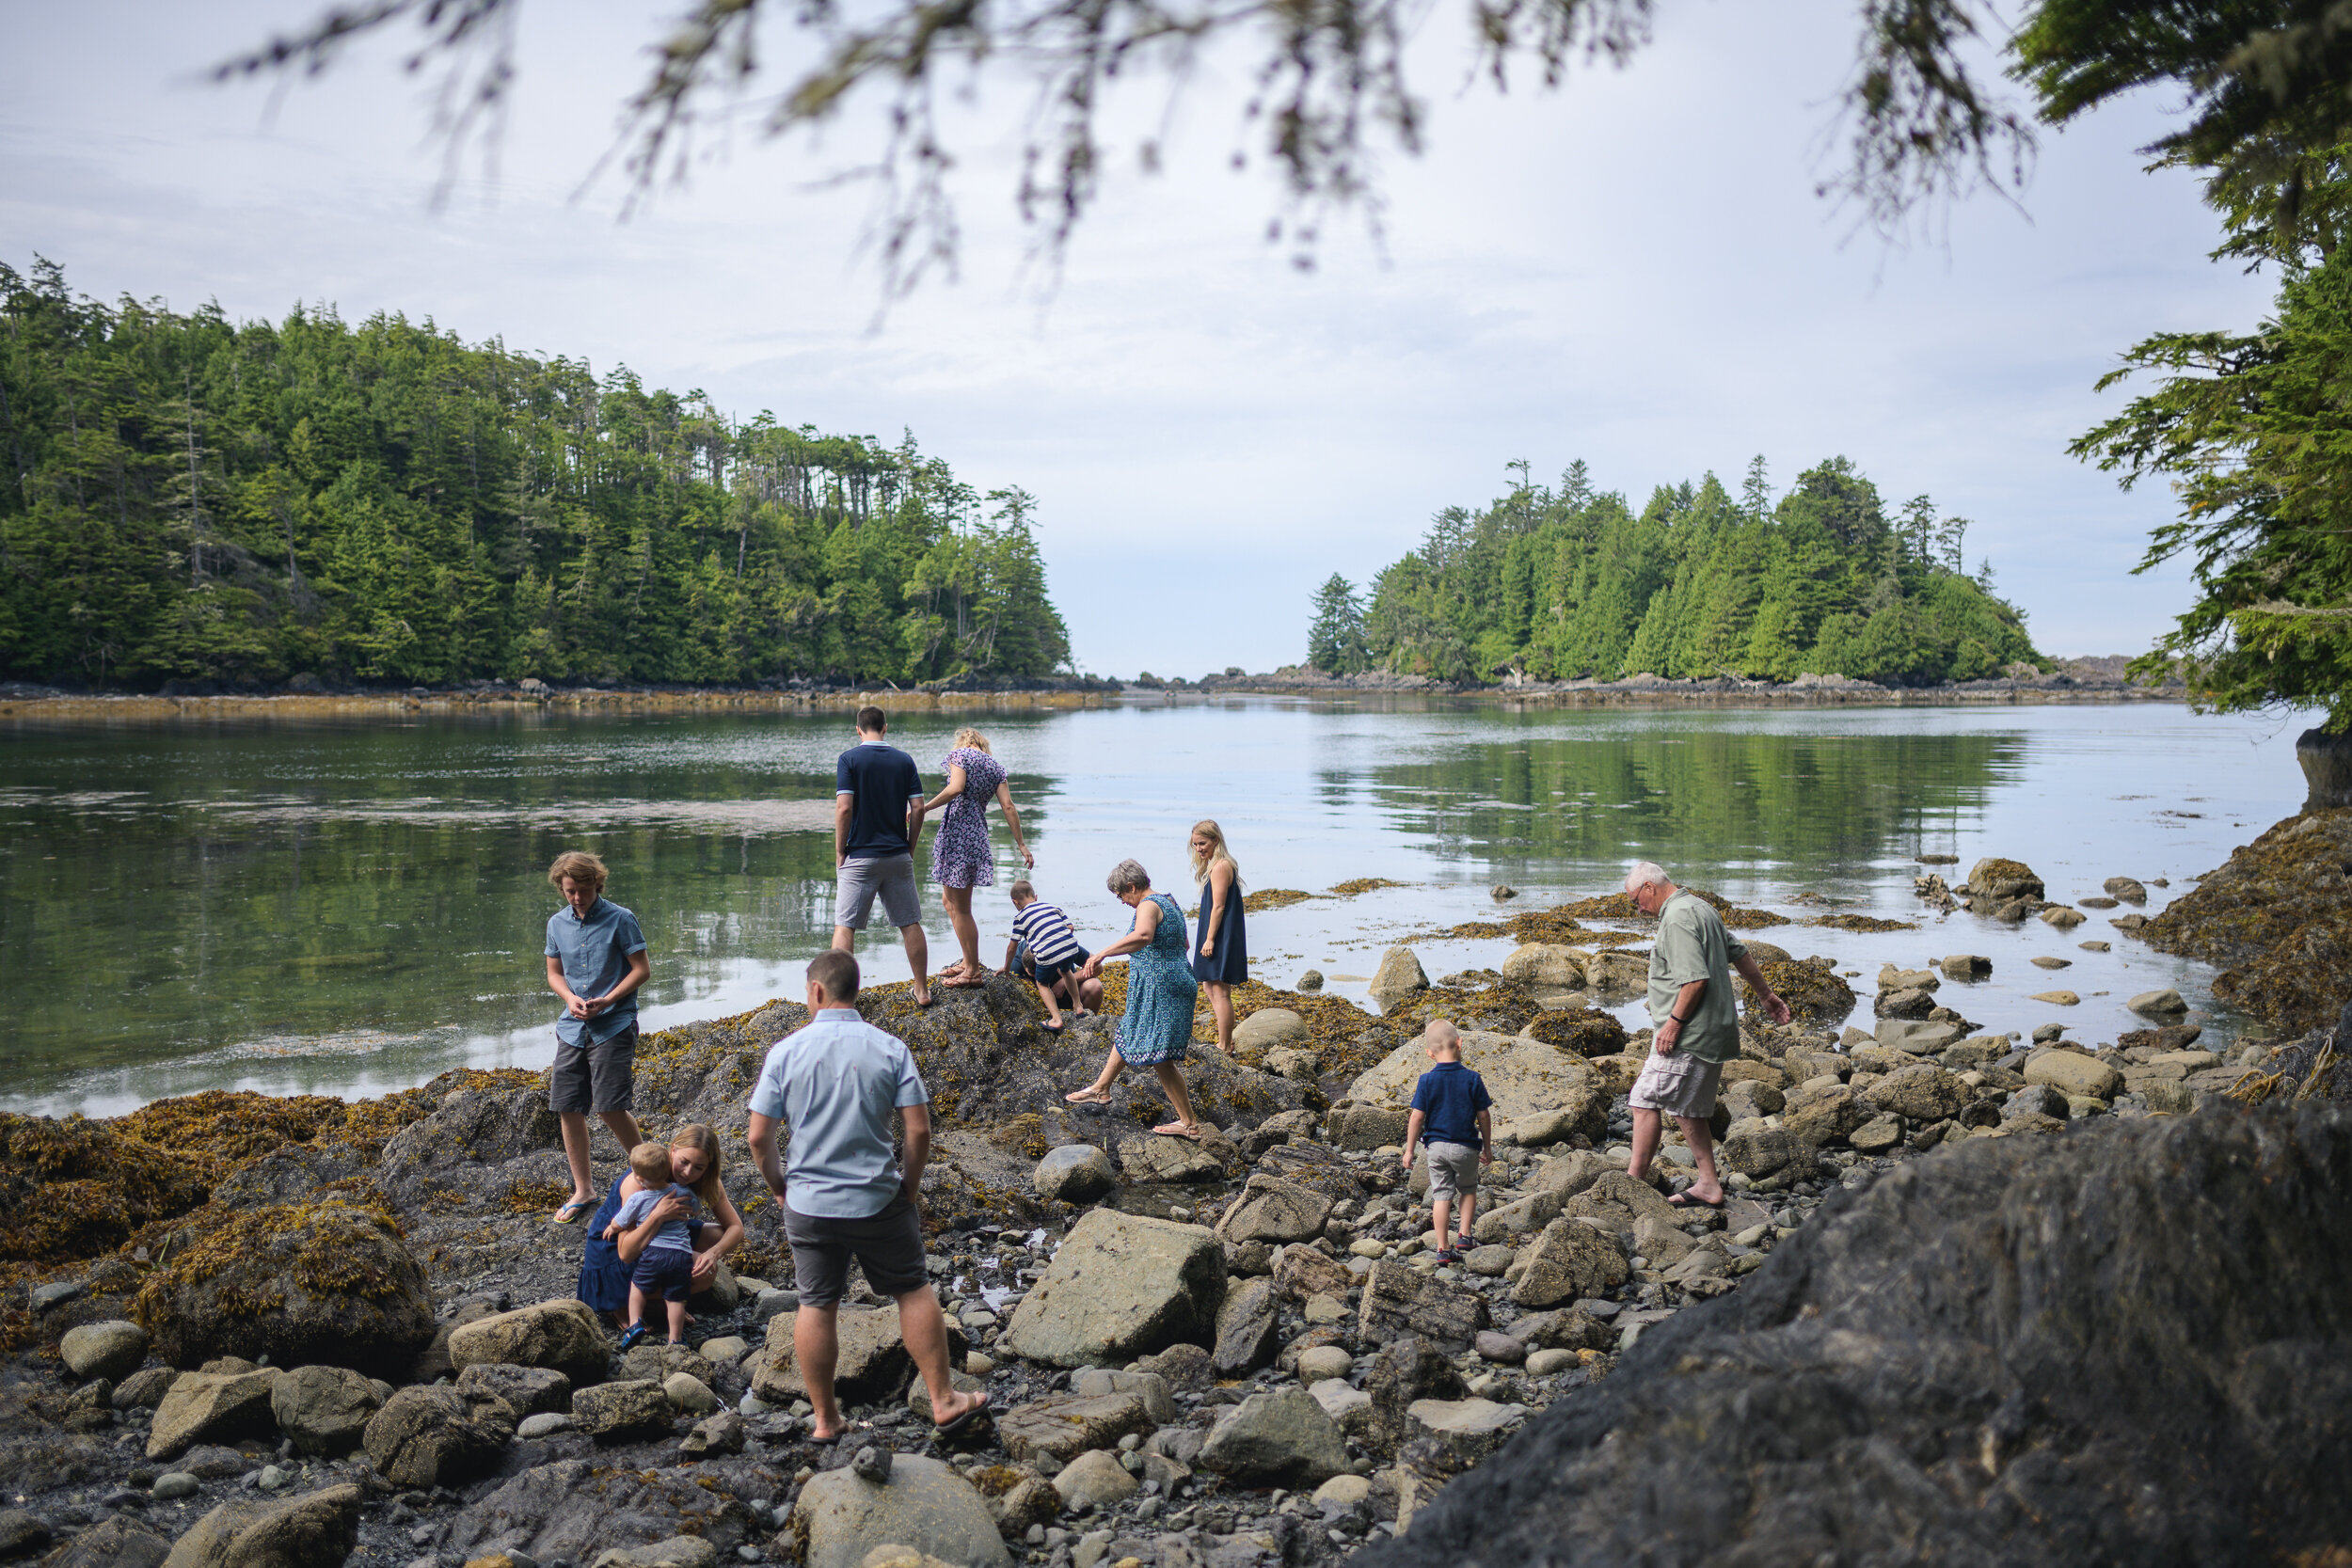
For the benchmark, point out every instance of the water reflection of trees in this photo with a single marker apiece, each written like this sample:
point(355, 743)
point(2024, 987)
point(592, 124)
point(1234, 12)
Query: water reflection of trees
point(1722, 800)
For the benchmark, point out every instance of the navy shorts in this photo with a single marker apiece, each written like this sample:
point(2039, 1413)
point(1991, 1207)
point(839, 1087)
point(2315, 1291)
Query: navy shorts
point(1049, 976)
point(665, 1269)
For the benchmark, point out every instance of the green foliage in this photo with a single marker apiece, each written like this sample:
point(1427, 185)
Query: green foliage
point(1335, 642)
point(1571, 583)
point(200, 501)
point(2251, 432)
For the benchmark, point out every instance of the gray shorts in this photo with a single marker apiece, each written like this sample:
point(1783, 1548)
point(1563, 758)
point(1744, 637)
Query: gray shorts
point(1679, 1085)
point(1452, 1171)
point(888, 1246)
point(858, 881)
point(600, 1077)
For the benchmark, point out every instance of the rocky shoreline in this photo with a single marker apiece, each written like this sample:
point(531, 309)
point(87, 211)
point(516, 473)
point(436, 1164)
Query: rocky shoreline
point(2102, 679)
point(257, 1331)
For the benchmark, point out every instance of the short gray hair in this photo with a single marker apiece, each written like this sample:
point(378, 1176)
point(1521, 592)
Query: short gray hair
point(1128, 877)
point(1645, 874)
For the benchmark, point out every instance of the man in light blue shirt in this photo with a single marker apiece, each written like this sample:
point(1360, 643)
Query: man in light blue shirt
point(836, 1084)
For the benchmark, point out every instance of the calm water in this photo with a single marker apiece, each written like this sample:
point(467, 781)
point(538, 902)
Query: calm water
point(344, 907)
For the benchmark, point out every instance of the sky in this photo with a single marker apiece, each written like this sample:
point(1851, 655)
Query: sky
point(1635, 271)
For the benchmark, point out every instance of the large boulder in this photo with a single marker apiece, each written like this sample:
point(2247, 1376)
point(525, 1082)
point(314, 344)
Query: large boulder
point(1401, 1302)
point(564, 1335)
point(1271, 1209)
point(111, 1350)
point(1120, 1285)
point(1282, 1437)
point(1921, 1093)
point(114, 1541)
point(1585, 1031)
point(212, 1408)
point(77, 1188)
point(316, 1529)
point(1269, 1029)
point(1399, 975)
point(2121, 1397)
point(630, 1407)
point(530, 1391)
point(840, 1517)
point(1524, 1077)
point(464, 1142)
point(1060, 1428)
point(1570, 1261)
point(1248, 1328)
point(324, 1409)
point(1554, 966)
point(439, 1437)
point(2004, 879)
point(1074, 1173)
point(330, 1284)
point(2072, 1072)
point(873, 1362)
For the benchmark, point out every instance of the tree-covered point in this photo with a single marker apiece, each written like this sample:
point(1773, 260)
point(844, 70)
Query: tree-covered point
point(1568, 583)
point(199, 500)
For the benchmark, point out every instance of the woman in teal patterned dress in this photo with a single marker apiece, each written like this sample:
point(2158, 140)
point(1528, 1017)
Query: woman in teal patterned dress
point(1157, 1028)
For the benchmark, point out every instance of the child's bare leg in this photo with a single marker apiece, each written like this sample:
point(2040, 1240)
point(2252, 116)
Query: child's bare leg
point(636, 1303)
point(678, 1322)
point(1470, 1211)
point(1439, 1212)
point(1052, 1013)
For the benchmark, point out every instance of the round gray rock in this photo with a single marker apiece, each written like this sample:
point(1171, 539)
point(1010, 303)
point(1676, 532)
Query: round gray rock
point(1074, 1173)
point(110, 1350)
point(1281, 1437)
point(926, 1505)
point(1095, 1479)
point(1269, 1027)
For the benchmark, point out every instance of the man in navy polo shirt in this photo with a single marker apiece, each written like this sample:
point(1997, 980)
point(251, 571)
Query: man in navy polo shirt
point(596, 962)
point(877, 822)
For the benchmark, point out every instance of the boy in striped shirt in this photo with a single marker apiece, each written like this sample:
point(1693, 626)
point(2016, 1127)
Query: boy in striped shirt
point(1046, 948)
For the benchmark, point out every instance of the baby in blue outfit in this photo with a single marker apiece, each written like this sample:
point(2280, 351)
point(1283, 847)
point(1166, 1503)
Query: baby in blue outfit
point(667, 1264)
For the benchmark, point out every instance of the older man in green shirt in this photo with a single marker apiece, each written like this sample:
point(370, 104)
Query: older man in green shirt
point(1697, 1017)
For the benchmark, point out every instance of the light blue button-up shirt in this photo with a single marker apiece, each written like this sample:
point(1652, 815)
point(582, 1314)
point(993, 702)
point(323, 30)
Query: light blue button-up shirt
point(594, 953)
point(834, 1083)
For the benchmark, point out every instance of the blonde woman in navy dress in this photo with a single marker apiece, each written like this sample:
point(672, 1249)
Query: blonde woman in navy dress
point(1221, 962)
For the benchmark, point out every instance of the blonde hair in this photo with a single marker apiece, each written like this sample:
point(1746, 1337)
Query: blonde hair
point(1203, 865)
point(1443, 1038)
point(970, 736)
point(581, 866)
point(697, 1136)
point(650, 1163)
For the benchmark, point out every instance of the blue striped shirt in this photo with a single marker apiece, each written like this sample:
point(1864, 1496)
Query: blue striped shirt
point(1045, 930)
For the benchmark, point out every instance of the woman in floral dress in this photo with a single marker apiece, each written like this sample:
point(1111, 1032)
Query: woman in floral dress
point(1156, 1030)
point(962, 859)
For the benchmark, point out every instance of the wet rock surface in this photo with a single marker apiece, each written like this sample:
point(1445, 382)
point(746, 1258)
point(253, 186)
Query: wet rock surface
point(1213, 1355)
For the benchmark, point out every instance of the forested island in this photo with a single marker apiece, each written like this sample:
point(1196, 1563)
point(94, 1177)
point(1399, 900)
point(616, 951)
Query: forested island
point(1565, 583)
point(199, 500)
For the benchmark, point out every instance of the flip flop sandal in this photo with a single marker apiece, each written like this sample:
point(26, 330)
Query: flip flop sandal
point(1087, 1096)
point(1178, 1130)
point(572, 1214)
point(960, 1423)
point(1051, 1028)
point(1684, 1200)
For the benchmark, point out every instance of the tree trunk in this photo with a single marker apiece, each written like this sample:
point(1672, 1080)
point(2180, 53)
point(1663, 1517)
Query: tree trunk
point(2327, 761)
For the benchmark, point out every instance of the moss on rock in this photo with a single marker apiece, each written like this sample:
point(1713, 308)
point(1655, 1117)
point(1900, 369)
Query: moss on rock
point(2277, 920)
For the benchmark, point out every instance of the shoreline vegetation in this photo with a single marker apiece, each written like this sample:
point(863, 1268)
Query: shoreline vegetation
point(2078, 680)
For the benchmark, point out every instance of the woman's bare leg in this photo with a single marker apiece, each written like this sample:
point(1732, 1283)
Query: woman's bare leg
point(1101, 1086)
point(1221, 1008)
point(959, 901)
point(1173, 1080)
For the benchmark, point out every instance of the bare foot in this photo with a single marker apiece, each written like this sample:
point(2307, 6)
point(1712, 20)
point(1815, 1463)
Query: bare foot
point(955, 1412)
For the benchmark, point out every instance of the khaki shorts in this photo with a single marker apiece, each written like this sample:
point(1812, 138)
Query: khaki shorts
point(859, 881)
point(1679, 1085)
point(1452, 1171)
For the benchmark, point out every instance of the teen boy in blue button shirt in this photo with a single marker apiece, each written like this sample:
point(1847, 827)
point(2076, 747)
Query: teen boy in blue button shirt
point(596, 963)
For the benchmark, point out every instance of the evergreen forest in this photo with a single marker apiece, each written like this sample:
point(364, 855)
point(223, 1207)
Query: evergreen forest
point(1569, 583)
point(199, 500)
